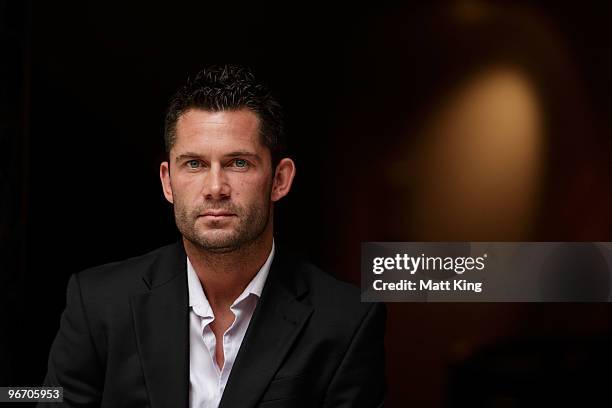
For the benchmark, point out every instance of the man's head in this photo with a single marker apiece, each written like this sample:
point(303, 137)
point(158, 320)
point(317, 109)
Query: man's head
point(224, 167)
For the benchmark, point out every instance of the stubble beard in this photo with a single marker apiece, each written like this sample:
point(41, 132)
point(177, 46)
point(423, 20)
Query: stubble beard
point(253, 221)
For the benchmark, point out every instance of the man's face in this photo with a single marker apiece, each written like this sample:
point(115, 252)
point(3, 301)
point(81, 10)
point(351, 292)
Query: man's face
point(219, 178)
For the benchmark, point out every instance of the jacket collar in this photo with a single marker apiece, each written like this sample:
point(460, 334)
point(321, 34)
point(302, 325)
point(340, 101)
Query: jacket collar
point(161, 321)
point(280, 315)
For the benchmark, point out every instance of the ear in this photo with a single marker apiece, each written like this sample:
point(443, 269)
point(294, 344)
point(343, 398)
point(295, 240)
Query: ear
point(283, 178)
point(164, 175)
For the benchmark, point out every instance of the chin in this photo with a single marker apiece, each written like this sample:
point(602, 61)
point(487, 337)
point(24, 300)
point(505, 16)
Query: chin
point(218, 240)
point(220, 250)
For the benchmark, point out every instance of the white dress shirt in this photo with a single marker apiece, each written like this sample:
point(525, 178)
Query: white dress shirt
point(206, 380)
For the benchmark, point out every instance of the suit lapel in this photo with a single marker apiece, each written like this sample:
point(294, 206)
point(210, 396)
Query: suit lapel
point(161, 321)
point(275, 325)
point(161, 324)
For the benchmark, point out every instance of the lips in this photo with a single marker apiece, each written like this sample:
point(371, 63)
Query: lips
point(216, 213)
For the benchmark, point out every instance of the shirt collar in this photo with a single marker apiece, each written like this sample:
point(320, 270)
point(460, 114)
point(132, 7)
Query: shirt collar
point(197, 297)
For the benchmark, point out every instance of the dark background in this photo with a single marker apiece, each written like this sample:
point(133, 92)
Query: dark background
point(84, 88)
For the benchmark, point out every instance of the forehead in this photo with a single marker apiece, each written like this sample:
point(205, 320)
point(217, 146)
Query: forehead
point(201, 129)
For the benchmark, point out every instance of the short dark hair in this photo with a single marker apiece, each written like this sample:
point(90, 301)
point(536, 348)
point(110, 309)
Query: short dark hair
point(226, 88)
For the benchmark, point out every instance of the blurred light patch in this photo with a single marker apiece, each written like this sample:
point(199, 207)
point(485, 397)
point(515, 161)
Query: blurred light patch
point(479, 167)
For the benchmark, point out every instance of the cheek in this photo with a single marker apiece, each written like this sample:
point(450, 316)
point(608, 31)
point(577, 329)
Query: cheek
point(187, 186)
point(251, 189)
point(186, 194)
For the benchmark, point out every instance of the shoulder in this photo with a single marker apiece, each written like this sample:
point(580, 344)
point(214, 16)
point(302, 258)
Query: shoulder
point(126, 276)
point(326, 289)
point(335, 299)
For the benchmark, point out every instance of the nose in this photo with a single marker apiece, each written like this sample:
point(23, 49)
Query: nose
point(216, 186)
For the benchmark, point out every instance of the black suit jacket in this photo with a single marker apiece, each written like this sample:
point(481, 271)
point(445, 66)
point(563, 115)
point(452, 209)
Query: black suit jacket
point(124, 339)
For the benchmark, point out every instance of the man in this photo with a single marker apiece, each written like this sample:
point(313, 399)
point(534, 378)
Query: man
point(224, 318)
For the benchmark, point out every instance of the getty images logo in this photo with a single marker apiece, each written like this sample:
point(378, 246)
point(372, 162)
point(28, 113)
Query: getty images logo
point(412, 264)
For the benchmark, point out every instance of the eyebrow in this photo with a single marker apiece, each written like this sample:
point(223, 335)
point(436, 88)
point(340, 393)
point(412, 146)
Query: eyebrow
point(237, 153)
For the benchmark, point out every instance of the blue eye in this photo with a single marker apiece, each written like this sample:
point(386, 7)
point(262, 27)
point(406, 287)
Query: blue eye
point(240, 163)
point(193, 164)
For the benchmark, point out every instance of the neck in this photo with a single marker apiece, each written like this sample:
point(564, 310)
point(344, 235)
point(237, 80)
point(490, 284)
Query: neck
point(224, 276)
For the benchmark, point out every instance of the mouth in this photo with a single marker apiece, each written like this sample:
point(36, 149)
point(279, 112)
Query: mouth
point(216, 214)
